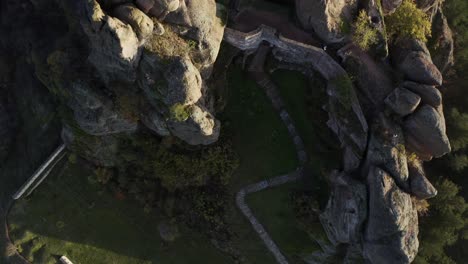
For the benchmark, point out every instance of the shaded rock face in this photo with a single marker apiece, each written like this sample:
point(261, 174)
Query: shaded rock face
point(402, 101)
point(426, 133)
point(391, 234)
point(386, 149)
point(441, 42)
point(428, 93)
point(94, 114)
point(373, 82)
point(419, 185)
point(346, 209)
point(412, 58)
point(141, 65)
point(389, 6)
point(326, 17)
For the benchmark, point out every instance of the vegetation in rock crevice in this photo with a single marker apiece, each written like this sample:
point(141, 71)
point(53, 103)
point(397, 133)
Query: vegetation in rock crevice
point(408, 21)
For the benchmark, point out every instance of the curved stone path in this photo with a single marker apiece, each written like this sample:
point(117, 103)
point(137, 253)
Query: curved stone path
point(257, 72)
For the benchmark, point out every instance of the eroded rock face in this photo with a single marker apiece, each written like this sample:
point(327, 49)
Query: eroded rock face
point(402, 101)
point(373, 82)
point(413, 59)
point(442, 44)
point(346, 209)
point(391, 234)
point(142, 73)
point(114, 46)
point(426, 133)
point(428, 93)
point(419, 184)
point(386, 149)
point(95, 114)
point(325, 17)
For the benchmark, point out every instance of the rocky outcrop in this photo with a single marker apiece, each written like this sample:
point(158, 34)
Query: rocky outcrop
point(420, 186)
point(372, 80)
point(428, 93)
point(441, 42)
point(402, 101)
point(95, 114)
point(425, 133)
point(346, 210)
point(386, 149)
point(150, 66)
point(391, 233)
point(325, 18)
point(412, 58)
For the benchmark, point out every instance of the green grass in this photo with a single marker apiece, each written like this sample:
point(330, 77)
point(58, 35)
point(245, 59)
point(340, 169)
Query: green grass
point(279, 219)
point(259, 136)
point(70, 215)
point(305, 109)
point(265, 151)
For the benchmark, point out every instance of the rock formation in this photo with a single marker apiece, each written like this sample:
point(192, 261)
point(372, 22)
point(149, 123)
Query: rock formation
point(326, 18)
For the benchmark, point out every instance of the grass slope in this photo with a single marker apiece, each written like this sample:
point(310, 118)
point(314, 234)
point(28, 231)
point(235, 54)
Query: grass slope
point(70, 215)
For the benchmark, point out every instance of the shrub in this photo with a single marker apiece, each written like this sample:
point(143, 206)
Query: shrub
point(103, 175)
point(179, 112)
point(408, 21)
point(364, 34)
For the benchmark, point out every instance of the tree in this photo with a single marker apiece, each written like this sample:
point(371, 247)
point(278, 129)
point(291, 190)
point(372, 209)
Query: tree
point(408, 21)
point(441, 227)
point(364, 35)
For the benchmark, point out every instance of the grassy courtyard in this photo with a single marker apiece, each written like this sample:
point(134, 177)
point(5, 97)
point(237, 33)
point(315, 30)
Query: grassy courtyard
point(71, 215)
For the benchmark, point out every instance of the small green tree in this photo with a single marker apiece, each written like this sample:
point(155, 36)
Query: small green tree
point(408, 21)
point(364, 34)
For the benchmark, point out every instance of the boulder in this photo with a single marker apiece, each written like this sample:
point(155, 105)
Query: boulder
point(418, 67)
point(441, 42)
point(207, 31)
point(419, 184)
point(391, 233)
point(325, 18)
point(402, 101)
point(184, 83)
point(425, 133)
point(179, 17)
point(386, 149)
point(114, 46)
point(413, 59)
point(389, 6)
point(200, 127)
point(161, 8)
point(141, 23)
point(428, 93)
point(346, 210)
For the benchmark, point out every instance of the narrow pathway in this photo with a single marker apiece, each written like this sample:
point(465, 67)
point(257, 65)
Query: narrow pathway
point(256, 69)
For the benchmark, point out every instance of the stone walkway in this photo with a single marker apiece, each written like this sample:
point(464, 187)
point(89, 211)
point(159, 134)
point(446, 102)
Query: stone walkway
point(263, 80)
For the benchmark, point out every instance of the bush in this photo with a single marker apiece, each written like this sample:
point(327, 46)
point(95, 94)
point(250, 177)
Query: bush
point(408, 22)
point(364, 34)
point(179, 112)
